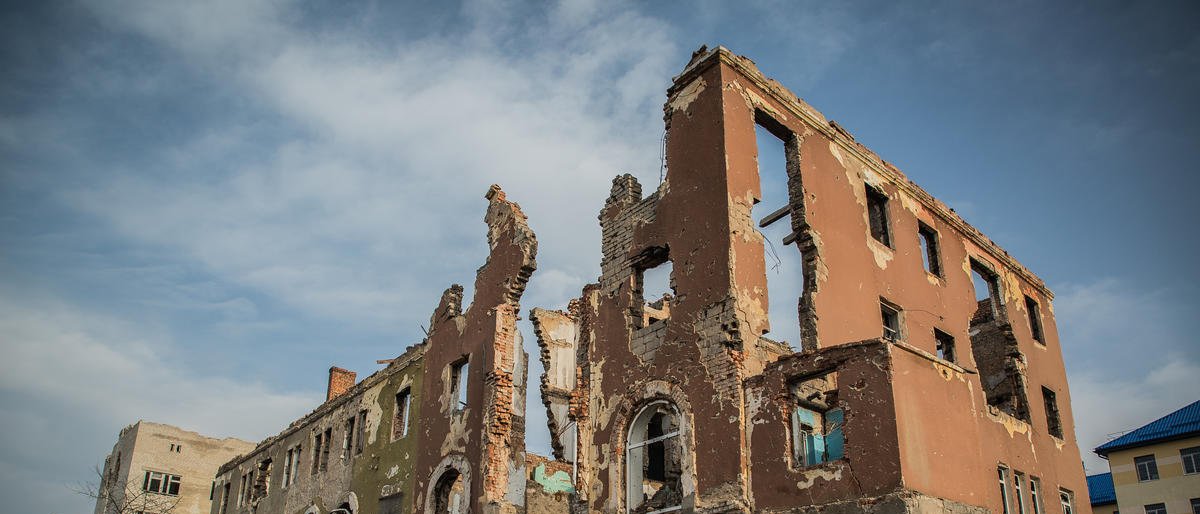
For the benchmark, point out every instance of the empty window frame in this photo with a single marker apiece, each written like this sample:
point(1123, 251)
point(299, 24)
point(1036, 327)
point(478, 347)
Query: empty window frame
point(224, 498)
point(328, 441)
point(161, 483)
point(817, 421)
point(890, 315)
point(877, 215)
point(458, 384)
point(400, 414)
point(247, 485)
point(1002, 479)
point(263, 483)
point(360, 436)
point(348, 437)
point(779, 181)
point(318, 440)
point(1035, 495)
point(945, 346)
point(1035, 320)
point(290, 461)
point(1053, 419)
point(930, 252)
point(1147, 468)
point(987, 292)
point(654, 460)
point(1191, 460)
point(1156, 508)
point(1067, 499)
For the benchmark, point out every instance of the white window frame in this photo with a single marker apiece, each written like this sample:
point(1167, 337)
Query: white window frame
point(1067, 500)
point(1190, 456)
point(1150, 466)
point(1002, 478)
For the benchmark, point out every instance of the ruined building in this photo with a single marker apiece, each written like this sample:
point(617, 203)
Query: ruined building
point(927, 375)
point(160, 468)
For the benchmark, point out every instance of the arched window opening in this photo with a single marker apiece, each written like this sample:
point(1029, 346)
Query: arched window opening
point(654, 460)
point(449, 497)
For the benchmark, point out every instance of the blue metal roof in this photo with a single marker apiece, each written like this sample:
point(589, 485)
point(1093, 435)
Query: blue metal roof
point(1100, 489)
point(1181, 423)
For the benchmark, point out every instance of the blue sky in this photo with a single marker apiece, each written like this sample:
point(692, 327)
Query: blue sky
point(205, 205)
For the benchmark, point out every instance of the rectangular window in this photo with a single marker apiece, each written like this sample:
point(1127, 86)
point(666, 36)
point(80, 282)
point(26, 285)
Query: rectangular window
point(1002, 479)
point(1195, 505)
point(458, 384)
point(877, 215)
point(891, 321)
point(817, 436)
point(1053, 421)
point(316, 455)
point(1067, 500)
point(1035, 319)
point(1019, 491)
point(241, 490)
point(929, 248)
point(360, 439)
point(1191, 459)
point(1156, 508)
point(289, 462)
point(212, 491)
point(945, 345)
point(224, 499)
point(328, 440)
point(1035, 495)
point(161, 483)
point(348, 438)
point(987, 292)
point(400, 418)
point(1147, 468)
point(248, 488)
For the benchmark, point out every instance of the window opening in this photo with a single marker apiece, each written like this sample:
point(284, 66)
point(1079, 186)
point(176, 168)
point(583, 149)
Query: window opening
point(930, 252)
point(1035, 319)
point(161, 483)
point(289, 464)
point(361, 437)
point(393, 504)
point(1147, 468)
point(459, 372)
point(1053, 422)
point(316, 456)
point(1191, 459)
point(1195, 505)
point(1067, 499)
point(400, 417)
point(1002, 475)
point(817, 421)
point(657, 292)
point(987, 293)
point(224, 498)
point(263, 482)
point(1019, 491)
point(945, 346)
point(772, 214)
point(348, 439)
point(891, 320)
point(877, 214)
point(1156, 508)
point(654, 460)
point(1035, 495)
point(449, 493)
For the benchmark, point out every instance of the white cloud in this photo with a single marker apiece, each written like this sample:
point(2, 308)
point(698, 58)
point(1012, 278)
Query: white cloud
point(75, 378)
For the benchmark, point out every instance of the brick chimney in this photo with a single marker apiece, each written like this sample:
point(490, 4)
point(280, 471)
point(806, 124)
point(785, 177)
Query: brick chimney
point(340, 381)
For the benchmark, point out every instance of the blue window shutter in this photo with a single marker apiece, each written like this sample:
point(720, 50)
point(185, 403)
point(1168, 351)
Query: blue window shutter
point(835, 438)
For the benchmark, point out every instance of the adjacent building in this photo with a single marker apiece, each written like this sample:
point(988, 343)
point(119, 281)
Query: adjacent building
point(157, 468)
point(1155, 469)
point(1102, 494)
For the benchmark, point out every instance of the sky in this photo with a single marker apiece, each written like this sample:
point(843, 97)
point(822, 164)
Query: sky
point(204, 205)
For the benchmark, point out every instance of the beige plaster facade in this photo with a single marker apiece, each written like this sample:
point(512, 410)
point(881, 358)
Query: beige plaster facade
point(1174, 487)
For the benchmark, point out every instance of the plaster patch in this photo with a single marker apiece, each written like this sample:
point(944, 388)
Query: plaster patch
point(837, 153)
point(883, 255)
point(687, 95)
point(812, 475)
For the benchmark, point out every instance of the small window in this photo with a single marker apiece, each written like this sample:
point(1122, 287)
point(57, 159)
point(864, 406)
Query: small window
point(289, 464)
point(1067, 499)
point(316, 454)
point(817, 436)
point(224, 498)
point(458, 384)
point(328, 441)
point(1195, 505)
point(348, 439)
point(1035, 495)
point(1002, 479)
point(945, 346)
point(400, 416)
point(877, 215)
point(1156, 508)
point(929, 248)
point(1191, 459)
point(1035, 320)
point(891, 321)
point(1147, 468)
point(161, 483)
point(1053, 421)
